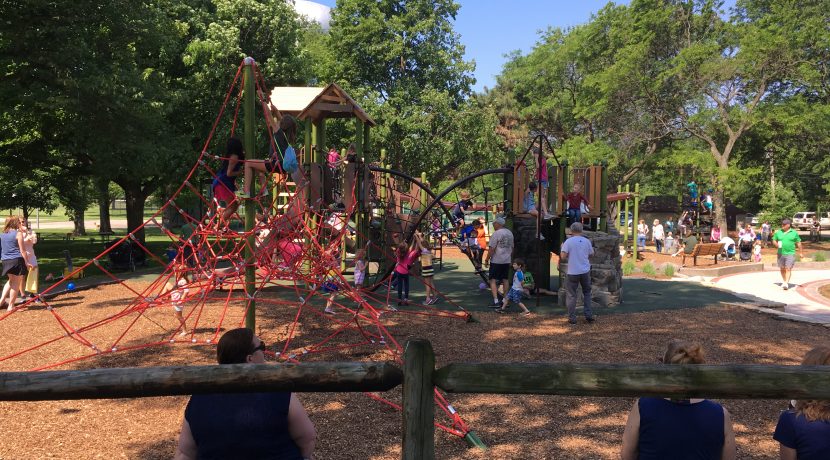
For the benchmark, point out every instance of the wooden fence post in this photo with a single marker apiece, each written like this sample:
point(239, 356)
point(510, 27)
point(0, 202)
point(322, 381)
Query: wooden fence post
point(418, 407)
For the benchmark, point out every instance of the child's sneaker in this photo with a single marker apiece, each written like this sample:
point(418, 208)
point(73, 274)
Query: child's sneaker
point(328, 311)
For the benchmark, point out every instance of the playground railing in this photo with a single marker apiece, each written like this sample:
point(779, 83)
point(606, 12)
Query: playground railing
point(419, 378)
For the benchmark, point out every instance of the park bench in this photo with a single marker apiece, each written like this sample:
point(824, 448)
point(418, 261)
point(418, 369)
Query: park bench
point(704, 249)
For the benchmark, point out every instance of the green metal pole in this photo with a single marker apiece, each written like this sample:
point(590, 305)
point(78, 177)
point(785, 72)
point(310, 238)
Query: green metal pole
point(563, 222)
point(249, 108)
point(626, 220)
point(636, 220)
point(603, 206)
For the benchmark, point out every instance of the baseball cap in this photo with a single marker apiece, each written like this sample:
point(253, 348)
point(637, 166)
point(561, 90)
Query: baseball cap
point(499, 220)
point(786, 222)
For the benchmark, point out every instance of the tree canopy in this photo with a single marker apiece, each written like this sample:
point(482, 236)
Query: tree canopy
point(665, 91)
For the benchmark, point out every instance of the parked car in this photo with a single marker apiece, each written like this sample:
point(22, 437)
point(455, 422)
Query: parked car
point(824, 220)
point(803, 220)
point(624, 221)
point(751, 219)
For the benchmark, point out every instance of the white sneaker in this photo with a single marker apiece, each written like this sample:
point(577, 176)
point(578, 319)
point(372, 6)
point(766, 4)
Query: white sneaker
point(786, 286)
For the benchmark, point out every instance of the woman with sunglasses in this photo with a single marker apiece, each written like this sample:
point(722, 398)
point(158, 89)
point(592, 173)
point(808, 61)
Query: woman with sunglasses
point(270, 425)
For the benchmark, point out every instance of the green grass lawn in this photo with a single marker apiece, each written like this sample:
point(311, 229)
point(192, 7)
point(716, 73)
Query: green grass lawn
point(59, 214)
point(52, 244)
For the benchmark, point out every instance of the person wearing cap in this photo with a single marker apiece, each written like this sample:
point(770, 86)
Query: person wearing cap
point(787, 240)
point(500, 253)
point(576, 251)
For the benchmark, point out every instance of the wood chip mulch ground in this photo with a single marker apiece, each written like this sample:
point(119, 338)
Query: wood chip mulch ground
point(351, 426)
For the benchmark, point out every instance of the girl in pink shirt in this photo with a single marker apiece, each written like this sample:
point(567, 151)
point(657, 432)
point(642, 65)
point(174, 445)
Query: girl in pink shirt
point(405, 256)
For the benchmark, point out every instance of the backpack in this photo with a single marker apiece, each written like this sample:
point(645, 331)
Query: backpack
point(289, 161)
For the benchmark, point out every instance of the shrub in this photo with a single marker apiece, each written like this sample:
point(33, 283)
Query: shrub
point(819, 257)
point(649, 270)
point(668, 270)
point(628, 267)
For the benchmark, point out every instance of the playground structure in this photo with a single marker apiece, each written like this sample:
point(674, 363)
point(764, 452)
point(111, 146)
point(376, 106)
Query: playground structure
point(300, 239)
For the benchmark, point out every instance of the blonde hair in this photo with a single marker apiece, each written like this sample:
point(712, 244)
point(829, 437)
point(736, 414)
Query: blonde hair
point(815, 409)
point(682, 352)
point(12, 223)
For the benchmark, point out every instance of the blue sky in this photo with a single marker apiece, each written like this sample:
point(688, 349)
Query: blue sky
point(490, 29)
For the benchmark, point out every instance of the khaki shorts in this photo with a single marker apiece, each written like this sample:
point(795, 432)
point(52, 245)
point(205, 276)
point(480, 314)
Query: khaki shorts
point(786, 260)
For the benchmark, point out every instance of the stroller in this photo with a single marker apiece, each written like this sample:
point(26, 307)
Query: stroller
point(125, 255)
point(730, 252)
point(745, 248)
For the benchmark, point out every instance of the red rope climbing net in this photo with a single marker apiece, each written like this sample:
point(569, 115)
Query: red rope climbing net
point(301, 262)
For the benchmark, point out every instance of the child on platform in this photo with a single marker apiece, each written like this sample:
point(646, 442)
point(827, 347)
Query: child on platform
point(529, 202)
point(515, 292)
point(575, 202)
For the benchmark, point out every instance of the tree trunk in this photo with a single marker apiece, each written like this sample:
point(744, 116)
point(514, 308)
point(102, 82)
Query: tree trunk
point(103, 205)
point(718, 198)
point(135, 199)
point(78, 221)
point(25, 210)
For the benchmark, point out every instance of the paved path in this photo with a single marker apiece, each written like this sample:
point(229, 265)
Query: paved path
point(800, 299)
point(89, 224)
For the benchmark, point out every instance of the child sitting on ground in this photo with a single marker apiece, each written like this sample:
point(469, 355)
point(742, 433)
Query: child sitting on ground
point(515, 292)
point(528, 284)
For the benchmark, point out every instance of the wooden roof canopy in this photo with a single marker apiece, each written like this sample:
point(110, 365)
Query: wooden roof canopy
point(316, 103)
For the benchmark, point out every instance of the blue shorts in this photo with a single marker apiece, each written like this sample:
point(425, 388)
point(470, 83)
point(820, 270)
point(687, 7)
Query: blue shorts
point(329, 287)
point(544, 184)
point(514, 295)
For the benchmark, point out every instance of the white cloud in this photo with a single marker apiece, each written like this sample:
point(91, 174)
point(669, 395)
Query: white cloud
point(314, 11)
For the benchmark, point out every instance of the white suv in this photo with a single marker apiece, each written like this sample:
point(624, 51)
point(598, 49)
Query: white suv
point(803, 220)
point(824, 220)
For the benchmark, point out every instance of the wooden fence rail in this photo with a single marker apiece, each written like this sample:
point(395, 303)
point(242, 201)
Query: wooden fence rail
point(420, 378)
point(186, 380)
point(627, 380)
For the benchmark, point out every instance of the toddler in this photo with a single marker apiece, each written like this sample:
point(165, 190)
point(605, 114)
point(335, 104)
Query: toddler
point(515, 292)
point(177, 287)
point(359, 268)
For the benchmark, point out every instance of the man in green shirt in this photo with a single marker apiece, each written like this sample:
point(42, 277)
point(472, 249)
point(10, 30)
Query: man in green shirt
point(787, 240)
point(689, 242)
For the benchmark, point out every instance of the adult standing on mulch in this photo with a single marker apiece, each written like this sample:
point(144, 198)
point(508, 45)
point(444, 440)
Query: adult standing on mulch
point(576, 251)
point(658, 235)
point(12, 250)
point(787, 240)
point(500, 253)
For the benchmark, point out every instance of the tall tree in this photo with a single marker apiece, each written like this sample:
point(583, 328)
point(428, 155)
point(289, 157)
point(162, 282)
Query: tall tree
point(404, 61)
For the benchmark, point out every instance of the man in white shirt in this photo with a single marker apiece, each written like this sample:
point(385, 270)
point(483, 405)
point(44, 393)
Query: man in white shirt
point(576, 251)
point(500, 253)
